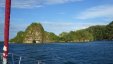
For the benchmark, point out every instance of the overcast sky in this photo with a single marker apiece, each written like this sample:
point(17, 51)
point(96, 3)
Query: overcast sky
point(57, 15)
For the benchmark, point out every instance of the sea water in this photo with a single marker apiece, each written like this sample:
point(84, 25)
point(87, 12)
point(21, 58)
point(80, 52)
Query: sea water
point(97, 52)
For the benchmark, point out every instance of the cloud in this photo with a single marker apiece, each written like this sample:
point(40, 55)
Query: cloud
point(60, 27)
point(54, 27)
point(22, 3)
point(35, 3)
point(60, 1)
point(14, 28)
point(105, 11)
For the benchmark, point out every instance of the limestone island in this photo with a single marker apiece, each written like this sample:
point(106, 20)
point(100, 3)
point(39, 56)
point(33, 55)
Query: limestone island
point(35, 33)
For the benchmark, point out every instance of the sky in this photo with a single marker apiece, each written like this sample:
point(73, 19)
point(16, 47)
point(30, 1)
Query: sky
point(56, 15)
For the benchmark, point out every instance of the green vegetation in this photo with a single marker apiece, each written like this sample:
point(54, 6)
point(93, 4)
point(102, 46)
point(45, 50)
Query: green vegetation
point(98, 32)
point(51, 37)
point(19, 38)
point(32, 32)
point(76, 36)
point(93, 33)
point(109, 31)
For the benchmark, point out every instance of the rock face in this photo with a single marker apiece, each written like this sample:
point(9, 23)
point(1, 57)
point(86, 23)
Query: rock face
point(34, 33)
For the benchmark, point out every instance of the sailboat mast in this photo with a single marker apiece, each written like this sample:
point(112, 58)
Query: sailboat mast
point(6, 30)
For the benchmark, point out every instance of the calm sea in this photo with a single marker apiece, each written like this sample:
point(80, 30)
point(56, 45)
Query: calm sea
point(98, 52)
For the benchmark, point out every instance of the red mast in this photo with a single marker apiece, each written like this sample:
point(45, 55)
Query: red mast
point(6, 29)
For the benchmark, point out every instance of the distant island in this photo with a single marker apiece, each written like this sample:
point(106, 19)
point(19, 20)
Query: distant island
point(35, 33)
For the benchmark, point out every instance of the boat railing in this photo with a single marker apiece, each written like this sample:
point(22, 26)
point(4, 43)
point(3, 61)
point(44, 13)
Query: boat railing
point(16, 59)
point(12, 58)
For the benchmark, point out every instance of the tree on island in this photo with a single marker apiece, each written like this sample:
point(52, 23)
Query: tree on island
point(92, 33)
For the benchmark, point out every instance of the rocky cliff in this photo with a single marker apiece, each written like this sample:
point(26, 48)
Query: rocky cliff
point(36, 34)
point(33, 34)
